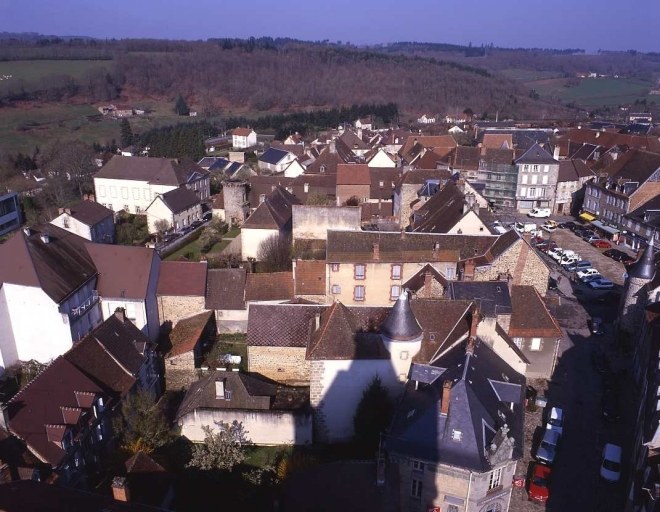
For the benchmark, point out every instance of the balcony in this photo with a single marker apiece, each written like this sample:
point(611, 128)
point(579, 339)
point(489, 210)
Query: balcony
point(85, 305)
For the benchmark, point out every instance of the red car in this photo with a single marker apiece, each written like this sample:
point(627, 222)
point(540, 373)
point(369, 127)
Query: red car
point(601, 244)
point(538, 484)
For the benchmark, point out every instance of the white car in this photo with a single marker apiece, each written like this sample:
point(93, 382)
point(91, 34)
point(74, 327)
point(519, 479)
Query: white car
point(587, 272)
point(539, 212)
point(556, 420)
point(556, 253)
point(549, 228)
point(610, 469)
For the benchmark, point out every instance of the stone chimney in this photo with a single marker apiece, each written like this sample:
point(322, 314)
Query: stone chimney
point(555, 153)
point(60, 211)
point(120, 314)
point(474, 322)
point(332, 147)
point(446, 396)
point(469, 348)
point(470, 202)
point(436, 249)
point(120, 490)
point(317, 321)
point(376, 250)
point(45, 238)
point(428, 284)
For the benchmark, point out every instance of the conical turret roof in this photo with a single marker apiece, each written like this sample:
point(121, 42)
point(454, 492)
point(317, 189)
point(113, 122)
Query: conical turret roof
point(644, 267)
point(401, 324)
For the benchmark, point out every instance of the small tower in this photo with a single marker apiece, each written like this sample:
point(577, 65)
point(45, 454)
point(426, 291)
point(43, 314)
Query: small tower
point(635, 297)
point(401, 335)
point(235, 193)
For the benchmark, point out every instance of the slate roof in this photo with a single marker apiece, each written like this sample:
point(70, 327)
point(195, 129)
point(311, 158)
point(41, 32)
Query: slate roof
point(345, 246)
point(421, 176)
point(225, 289)
point(156, 171)
point(416, 281)
point(89, 212)
point(573, 170)
point(35, 412)
point(58, 267)
point(187, 333)
point(111, 355)
point(536, 155)
point(483, 387)
point(492, 297)
point(444, 322)
point(281, 325)
point(503, 243)
point(248, 392)
point(644, 267)
point(179, 199)
point(353, 174)
point(609, 139)
point(124, 271)
point(269, 286)
point(182, 278)
point(388, 177)
point(634, 165)
point(309, 277)
point(273, 156)
point(274, 212)
point(327, 159)
point(530, 317)
point(401, 324)
point(441, 212)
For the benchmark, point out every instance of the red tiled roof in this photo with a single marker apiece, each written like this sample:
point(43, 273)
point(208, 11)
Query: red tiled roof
point(353, 174)
point(241, 132)
point(188, 332)
point(269, 286)
point(181, 278)
point(310, 277)
point(530, 316)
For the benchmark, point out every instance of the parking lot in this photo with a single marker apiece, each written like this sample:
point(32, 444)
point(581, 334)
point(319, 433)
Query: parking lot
point(578, 387)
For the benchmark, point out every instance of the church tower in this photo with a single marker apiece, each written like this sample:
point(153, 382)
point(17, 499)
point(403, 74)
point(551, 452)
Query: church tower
point(635, 297)
point(402, 335)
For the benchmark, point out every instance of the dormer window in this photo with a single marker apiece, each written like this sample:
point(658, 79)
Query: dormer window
point(456, 435)
point(323, 168)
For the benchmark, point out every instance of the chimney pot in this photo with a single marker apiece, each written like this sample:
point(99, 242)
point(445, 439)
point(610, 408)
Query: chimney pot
point(446, 396)
point(45, 238)
point(120, 490)
point(60, 211)
point(376, 250)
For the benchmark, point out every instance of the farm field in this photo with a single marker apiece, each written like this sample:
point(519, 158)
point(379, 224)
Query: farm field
point(592, 92)
point(31, 73)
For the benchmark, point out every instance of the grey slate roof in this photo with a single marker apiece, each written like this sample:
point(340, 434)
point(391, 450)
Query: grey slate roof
point(157, 171)
point(401, 324)
point(274, 212)
point(644, 267)
point(248, 392)
point(282, 325)
point(225, 289)
point(180, 199)
point(492, 297)
point(273, 156)
point(483, 387)
point(89, 212)
point(536, 155)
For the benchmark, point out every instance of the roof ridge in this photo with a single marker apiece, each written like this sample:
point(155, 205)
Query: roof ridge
point(331, 310)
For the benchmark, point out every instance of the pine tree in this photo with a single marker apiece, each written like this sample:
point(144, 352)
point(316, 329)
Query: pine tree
point(372, 416)
point(126, 133)
point(180, 106)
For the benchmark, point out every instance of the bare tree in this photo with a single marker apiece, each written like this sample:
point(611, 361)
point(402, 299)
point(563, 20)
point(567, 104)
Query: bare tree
point(275, 253)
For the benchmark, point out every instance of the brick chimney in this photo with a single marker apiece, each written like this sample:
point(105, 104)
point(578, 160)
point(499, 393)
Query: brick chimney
point(469, 348)
point(376, 250)
point(317, 321)
point(120, 314)
point(474, 322)
point(120, 490)
point(446, 396)
point(428, 284)
point(436, 248)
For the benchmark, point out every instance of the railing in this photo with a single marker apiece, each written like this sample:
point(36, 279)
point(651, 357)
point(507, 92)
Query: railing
point(85, 305)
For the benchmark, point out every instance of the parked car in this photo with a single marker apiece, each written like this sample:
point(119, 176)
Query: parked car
point(567, 261)
point(618, 255)
point(579, 231)
point(556, 253)
point(611, 405)
point(590, 239)
point(601, 244)
point(587, 272)
point(539, 212)
point(556, 420)
point(596, 277)
point(586, 234)
point(207, 216)
point(197, 223)
point(549, 226)
point(578, 265)
point(548, 447)
point(596, 326)
point(610, 469)
point(525, 227)
point(547, 246)
point(552, 283)
point(568, 225)
point(539, 490)
point(601, 284)
point(186, 229)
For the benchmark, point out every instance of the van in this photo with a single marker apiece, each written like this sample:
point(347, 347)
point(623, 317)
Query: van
point(526, 227)
point(539, 212)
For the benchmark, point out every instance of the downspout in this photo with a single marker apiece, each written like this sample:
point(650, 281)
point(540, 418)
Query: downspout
point(467, 499)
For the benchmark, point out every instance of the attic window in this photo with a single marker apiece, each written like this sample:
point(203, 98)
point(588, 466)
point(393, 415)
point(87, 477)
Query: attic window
point(505, 377)
point(322, 168)
point(411, 413)
point(456, 435)
point(227, 394)
point(432, 337)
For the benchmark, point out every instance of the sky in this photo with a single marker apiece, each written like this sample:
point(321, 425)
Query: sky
point(586, 24)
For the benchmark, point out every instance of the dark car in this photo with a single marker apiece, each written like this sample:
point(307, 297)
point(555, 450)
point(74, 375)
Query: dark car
point(579, 231)
point(207, 216)
point(568, 225)
point(587, 234)
point(185, 230)
point(596, 326)
point(197, 223)
point(611, 406)
point(618, 255)
point(546, 246)
point(552, 283)
point(601, 362)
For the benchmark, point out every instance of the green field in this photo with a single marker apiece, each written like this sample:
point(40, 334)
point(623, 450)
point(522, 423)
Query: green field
point(30, 73)
point(528, 75)
point(591, 92)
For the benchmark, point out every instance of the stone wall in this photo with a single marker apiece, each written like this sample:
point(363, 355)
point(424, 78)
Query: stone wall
point(313, 222)
point(174, 308)
point(282, 364)
point(180, 371)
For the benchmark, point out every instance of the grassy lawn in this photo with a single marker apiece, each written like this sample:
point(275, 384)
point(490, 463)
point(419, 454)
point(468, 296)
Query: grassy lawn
point(527, 75)
point(234, 344)
point(233, 232)
point(30, 73)
point(594, 91)
point(193, 253)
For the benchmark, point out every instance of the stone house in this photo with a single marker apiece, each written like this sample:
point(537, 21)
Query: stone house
point(177, 208)
point(406, 191)
point(189, 339)
point(309, 280)
point(537, 179)
point(641, 224)
point(457, 433)
point(88, 219)
point(181, 291)
point(353, 180)
point(534, 331)
point(573, 175)
point(225, 295)
point(272, 414)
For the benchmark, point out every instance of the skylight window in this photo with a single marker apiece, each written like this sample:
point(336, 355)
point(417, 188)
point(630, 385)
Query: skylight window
point(456, 435)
